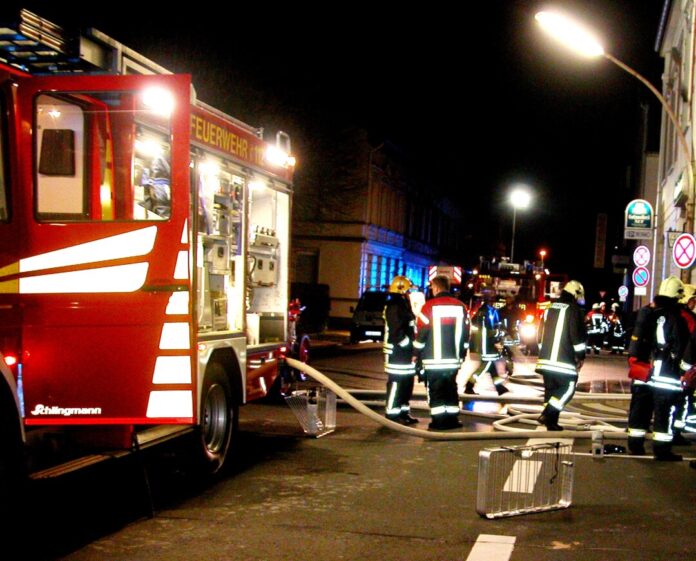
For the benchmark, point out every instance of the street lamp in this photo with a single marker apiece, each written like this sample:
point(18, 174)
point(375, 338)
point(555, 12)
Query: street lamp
point(519, 198)
point(542, 254)
point(581, 41)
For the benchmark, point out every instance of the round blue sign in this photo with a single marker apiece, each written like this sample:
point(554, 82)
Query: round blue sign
point(641, 276)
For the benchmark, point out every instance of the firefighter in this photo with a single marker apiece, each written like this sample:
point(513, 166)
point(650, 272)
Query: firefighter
point(595, 321)
point(661, 334)
point(487, 346)
point(617, 334)
point(683, 412)
point(441, 346)
point(641, 405)
point(561, 352)
point(399, 334)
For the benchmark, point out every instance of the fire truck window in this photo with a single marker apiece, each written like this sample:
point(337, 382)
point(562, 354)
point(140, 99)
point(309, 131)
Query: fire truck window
point(152, 176)
point(61, 172)
point(101, 156)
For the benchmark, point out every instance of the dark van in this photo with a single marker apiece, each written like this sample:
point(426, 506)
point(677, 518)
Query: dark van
point(368, 321)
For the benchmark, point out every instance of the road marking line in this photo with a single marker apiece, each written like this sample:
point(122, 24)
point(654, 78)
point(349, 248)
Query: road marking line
point(523, 476)
point(489, 547)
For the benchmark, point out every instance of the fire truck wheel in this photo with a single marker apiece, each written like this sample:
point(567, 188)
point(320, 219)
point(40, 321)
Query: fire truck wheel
point(219, 421)
point(12, 470)
point(303, 349)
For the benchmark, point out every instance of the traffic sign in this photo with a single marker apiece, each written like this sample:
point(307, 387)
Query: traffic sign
point(641, 256)
point(623, 291)
point(641, 276)
point(684, 251)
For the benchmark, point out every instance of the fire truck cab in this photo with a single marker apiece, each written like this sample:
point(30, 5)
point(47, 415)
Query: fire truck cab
point(143, 251)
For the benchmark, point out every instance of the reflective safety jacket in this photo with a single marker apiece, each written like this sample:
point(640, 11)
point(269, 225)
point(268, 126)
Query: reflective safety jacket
point(562, 337)
point(399, 334)
point(486, 332)
point(443, 333)
point(596, 322)
point(667, 334)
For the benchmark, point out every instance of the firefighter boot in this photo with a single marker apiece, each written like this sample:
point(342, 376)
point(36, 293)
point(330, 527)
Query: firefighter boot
point(663, 452)
point(636, 445)
point(678, 439)
point(501, 389)
point(549, 417)
point(407, 419)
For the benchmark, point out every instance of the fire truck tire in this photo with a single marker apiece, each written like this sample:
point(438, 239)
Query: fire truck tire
point(219, 418)
point(13, 477)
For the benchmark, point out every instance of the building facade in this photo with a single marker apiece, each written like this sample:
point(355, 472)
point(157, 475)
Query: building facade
point(674, 196)
point(362, 216)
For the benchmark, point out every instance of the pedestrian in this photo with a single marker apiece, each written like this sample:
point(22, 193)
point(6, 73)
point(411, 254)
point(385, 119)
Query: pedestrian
point(399, 335)
point(487, 336)
point(441, 345)
point(661, 335)
point(561, 352)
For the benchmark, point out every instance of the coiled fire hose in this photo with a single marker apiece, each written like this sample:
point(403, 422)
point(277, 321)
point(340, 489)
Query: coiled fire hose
point(450, 435)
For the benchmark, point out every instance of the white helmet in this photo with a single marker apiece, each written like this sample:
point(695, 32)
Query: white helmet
point(576, 290)
point(671, 287)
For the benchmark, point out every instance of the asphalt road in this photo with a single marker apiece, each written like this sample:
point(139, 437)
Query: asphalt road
point(362, 492)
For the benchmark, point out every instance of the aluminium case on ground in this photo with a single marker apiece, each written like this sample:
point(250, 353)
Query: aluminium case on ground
point(315, 409)
point(516, 480)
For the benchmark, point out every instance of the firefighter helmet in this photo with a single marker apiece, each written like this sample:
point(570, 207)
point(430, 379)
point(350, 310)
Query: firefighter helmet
point(671, 287)
point(575, 289)
point(400, 285)
point(689, 293)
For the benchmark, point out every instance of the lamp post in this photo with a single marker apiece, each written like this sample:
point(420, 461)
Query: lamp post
point(542, 254)
point(519, 198)
point(581, 41)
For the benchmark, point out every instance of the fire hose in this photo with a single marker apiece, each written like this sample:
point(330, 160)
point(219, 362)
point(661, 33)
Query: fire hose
point(503, 433)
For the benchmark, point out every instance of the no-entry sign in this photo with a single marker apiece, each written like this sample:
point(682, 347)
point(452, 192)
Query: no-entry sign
point(641, 276)
point(684, 251)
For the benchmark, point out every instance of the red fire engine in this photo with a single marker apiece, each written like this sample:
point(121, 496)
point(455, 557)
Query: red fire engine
point(143, 249)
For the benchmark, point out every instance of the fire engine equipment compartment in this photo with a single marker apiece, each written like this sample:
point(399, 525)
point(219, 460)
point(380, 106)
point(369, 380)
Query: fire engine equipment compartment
point(221, 261)
point(269, 223)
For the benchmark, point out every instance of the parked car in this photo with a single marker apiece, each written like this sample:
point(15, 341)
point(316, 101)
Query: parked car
point(368, 322)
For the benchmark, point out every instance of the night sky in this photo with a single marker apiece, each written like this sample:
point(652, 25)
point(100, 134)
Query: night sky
point(472, 91)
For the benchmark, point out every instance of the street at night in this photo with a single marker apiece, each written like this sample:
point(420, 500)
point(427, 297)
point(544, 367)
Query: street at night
point(402, 284)
point(365, 492)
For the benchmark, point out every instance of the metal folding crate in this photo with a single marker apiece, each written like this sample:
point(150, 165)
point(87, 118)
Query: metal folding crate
point(315, 409)
point(516, 480)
